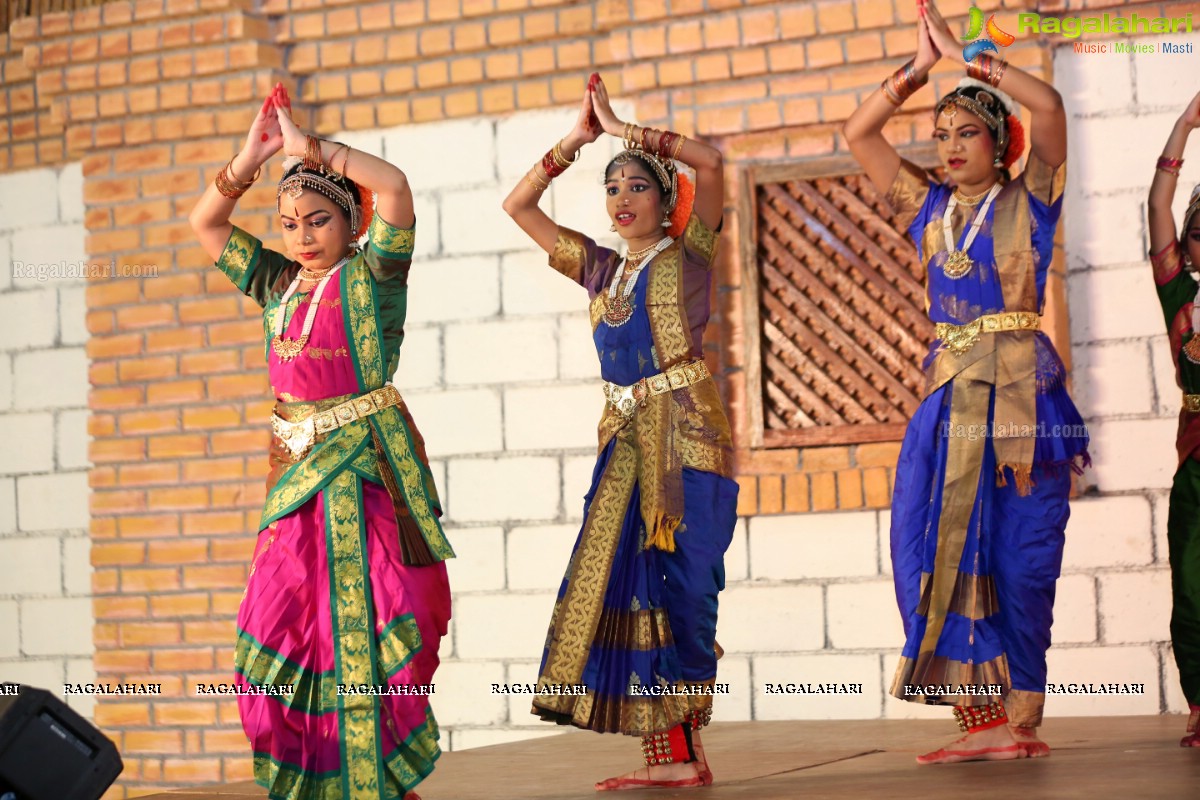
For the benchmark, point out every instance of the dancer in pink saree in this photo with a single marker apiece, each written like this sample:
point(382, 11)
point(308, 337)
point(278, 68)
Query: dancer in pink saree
point(347, 598)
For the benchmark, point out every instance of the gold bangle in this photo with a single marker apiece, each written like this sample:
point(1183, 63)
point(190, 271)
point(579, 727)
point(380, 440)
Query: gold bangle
point(312, 154)
point(995, 76)
point(560, 159)
point(890, 93)
point(333, 158)
point(678, 147)
point(533, 180)
point(236, 179)
point(627, 138)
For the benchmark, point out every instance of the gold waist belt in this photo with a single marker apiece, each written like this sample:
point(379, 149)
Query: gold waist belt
point(299, 435)
point(626, 399)
point(1191, 403)
point(961, 338)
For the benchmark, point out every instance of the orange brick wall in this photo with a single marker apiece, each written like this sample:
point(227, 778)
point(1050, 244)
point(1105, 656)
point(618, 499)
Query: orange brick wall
point(154, 95)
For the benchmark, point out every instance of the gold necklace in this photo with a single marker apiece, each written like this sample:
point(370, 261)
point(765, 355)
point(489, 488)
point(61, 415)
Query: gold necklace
point(972, 199)
point(619, 308)
point(307, 274)
point(637, 255)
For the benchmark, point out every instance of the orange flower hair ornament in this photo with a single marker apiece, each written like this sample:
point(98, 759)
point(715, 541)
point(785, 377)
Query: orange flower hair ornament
point(684, 201)
point(368, 211)
point(1016, 141)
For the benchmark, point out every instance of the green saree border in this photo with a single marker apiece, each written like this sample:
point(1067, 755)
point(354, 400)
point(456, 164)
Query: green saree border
point(304, 479)
point(353, 639)
point(401, 453)
point(400, 776)
point(362, 325)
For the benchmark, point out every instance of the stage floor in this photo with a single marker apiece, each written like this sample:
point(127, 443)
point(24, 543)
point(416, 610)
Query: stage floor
point(1098, 757)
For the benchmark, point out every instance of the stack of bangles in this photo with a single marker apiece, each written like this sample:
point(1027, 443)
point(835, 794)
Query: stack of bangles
point(314, 163)
point(1169, 165)
point(902, 84)
point(230, 185)
point(987, 69)
point(664, 144)
point(554, 163)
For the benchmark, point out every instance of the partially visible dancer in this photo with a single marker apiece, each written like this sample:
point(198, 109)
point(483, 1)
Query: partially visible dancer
point(985, 470)
point(635, 619)
point(347, 598)
point(1175, 260)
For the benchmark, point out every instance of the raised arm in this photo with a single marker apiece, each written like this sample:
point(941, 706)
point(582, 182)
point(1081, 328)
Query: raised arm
point(705, 160)
point(1166, 178)
point(522, 202)
point(393, 196)
point(210, 218)
point(864, 129)
point(1048, 127)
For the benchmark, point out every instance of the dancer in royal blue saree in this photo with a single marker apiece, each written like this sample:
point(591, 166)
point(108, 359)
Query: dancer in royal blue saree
point(984, 475)
point(635, 619)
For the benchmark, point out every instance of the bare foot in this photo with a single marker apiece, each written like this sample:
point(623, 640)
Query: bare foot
point(673, 776)
point(1027, 739)
point(993, 744)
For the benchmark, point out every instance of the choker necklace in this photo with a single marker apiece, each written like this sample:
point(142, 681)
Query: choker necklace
point(970, 200)
point(307, 274)
point(958, 263)
point(638, 255)
point(285, 348)
point(619, 310)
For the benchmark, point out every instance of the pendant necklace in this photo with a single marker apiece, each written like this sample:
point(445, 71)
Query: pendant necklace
point(619, 310)
point(958, 263)
point(285, 348)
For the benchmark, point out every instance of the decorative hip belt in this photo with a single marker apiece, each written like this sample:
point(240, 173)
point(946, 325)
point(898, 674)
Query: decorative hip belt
point(626, 399)
point(299, 436)
point(1191, 403)
point(961, 338)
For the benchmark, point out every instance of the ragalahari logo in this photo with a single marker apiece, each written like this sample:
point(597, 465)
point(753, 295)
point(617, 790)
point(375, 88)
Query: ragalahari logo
point(976, 28)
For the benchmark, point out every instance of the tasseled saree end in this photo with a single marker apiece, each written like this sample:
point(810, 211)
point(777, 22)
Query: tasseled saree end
point(414, 550)
point(660, 471)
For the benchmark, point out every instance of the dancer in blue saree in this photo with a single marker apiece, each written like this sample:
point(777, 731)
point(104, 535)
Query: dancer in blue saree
point(631, 647)
point(984, 475)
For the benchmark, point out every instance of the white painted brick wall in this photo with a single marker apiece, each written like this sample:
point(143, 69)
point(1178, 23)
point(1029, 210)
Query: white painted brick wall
point(839, 668)
point(45, 572)
point(1136, 606)
point(537, 556)
point(458, 421)
point(560, 416)
point(1109, 531)
point(1103, 665)
point(859, 616)
point(1075, 618)
point(835, 545)
point(779, 619)
point(480, 633)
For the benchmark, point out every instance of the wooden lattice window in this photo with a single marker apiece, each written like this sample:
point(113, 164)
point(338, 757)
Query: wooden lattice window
point(835, 307)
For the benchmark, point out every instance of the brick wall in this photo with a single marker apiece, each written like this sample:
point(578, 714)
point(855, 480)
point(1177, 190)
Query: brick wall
point(151, 97)
point(45, 577)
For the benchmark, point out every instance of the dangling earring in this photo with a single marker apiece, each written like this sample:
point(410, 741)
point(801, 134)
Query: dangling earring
point(613, 227)
point(1187, 261)
point(666, 223)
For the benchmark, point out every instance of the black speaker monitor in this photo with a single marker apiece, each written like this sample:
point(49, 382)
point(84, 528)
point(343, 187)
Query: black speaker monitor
point(48, 751)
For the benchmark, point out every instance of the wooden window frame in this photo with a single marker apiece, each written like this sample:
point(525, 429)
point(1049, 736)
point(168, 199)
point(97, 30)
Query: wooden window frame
point(750, 178)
